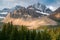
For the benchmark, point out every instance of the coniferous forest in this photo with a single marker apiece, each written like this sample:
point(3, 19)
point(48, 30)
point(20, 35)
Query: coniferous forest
point(12, 32)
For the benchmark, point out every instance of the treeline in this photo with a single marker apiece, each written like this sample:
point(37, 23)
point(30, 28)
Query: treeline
point(11, 32)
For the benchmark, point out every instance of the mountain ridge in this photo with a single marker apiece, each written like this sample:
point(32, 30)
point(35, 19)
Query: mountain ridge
point(56, 14)
point(28, 17)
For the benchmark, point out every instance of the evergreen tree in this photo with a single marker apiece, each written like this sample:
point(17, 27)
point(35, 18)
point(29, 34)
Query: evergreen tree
point(14, 34)
point(45, 35)
point(24, 31)
point(38, 36)
point(8, 30)
point(28, 35)
point(3, 33)
point(33, 34)
point(58, 38)
point(0, 35)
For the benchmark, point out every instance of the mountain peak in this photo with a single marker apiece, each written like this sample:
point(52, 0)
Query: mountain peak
point(41, 8)
point(57, 10)
point(56, 14)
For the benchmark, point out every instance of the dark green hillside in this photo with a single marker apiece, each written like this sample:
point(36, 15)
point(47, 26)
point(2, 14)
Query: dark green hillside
point(11, 32)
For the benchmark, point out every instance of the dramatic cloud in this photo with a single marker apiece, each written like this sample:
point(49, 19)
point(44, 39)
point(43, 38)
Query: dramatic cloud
point(52, 4)
point(52, 8)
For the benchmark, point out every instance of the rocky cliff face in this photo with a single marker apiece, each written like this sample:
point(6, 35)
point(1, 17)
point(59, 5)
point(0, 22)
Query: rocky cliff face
point(32, 23)
point(28, 17)
point(42, 9)
point(56, 14)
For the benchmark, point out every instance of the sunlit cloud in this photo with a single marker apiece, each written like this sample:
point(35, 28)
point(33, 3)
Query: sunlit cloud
point(52, 8)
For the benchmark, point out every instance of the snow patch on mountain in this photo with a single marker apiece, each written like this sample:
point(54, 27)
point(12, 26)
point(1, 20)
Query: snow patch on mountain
point(4, 13)
point(42, 13)
point(41, 8)
point(2, 17)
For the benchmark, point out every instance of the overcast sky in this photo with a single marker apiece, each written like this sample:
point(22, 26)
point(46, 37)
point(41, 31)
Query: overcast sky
point(52, 4)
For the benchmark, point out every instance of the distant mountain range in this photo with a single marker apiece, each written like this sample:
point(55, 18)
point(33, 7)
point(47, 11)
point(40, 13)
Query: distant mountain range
point(5, 10)
point(32, 16)
point(37, 9)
